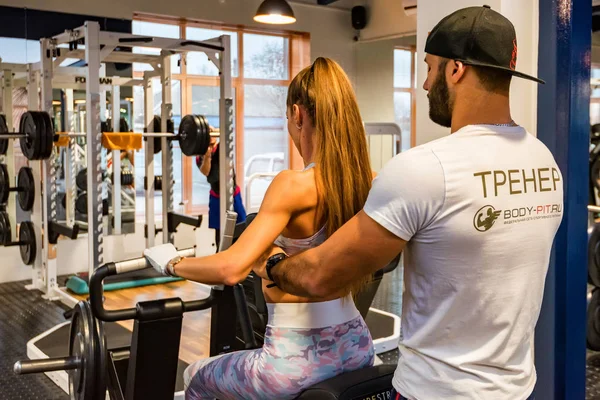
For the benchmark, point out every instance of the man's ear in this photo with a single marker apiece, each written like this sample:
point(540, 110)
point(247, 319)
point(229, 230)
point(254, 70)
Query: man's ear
point(458, 71)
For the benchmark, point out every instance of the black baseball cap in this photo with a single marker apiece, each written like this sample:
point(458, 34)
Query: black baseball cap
point(477, 36)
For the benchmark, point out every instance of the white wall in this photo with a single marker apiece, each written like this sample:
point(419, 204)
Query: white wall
point(386, 19)
point(523, 15)
point(375, 91)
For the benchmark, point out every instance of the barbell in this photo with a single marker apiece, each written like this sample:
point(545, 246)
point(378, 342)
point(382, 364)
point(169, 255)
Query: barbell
point(25, 187)
point(36, 135)
point(86, 363)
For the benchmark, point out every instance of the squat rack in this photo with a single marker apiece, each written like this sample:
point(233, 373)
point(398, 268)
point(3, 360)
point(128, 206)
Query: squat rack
point(102, 46)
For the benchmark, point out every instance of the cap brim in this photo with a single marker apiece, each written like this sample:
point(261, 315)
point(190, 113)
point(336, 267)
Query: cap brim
point(511, 71)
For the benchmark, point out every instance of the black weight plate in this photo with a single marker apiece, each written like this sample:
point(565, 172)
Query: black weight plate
point(593, 256)
point(41, 132)
point(156, 123)
point(5, 230)
point(205, 142)
point(101, 357)
point(81, 203)
point(123, 125)
point(3, 130)
point(593, 323)
point(81, 179)
point(49, 142)
point(105, 127)
point(27, 245)
point(28, 143)
point(189, 132)
point(4, 184)
point(26, 185)
point(83, 344)
point(595, 173)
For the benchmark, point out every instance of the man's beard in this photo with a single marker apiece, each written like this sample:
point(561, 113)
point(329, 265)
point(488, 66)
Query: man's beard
point(440, 107)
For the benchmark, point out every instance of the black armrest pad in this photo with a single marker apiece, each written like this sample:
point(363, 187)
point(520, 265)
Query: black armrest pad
point(350, 385)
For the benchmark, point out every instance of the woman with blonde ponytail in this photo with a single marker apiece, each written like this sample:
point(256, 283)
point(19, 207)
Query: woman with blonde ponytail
point(307, 340)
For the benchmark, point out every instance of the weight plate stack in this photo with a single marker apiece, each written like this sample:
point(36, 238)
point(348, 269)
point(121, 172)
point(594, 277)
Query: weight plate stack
point(84, 344)
point(27, 246)
point(81, 203)
point(48, 143)
point(593, 322)
point(190, 131)
point(5, 231)
point(4, 184)
point(27, 125)
point(3, 130)
point(27, 186)
point(594, 256)
point(204, 134)
point(81, 179)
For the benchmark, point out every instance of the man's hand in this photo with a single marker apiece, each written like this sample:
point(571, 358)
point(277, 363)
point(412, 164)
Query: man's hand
point(159, 256)
point(260, 265)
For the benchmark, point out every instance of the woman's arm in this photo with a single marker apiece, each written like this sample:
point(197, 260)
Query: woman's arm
point(234, 264)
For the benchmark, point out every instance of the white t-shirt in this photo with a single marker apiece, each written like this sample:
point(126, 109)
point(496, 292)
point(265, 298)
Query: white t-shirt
point(479, 210)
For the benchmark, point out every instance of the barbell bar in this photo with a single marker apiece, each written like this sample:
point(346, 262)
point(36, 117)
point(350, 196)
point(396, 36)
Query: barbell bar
point(36, 135)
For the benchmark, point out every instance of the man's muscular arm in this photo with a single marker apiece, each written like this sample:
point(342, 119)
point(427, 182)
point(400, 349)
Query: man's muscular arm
point(358, 248)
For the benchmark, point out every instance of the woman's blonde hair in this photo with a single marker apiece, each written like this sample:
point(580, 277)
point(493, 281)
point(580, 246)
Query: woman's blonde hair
point(342, 166)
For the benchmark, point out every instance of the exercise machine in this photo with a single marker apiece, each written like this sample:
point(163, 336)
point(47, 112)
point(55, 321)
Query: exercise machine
point(149, 367)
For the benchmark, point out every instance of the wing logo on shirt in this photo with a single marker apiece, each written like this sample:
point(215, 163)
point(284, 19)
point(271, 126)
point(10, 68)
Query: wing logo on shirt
point(485, 218)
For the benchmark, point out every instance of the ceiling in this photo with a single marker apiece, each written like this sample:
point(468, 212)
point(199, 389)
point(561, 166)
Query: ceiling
point(343, 4)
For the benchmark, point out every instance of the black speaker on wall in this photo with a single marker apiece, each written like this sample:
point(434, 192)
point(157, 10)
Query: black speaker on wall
point(359, 17)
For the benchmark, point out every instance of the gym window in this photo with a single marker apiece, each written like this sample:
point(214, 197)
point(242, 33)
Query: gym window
point(404, 94)
point(263, 63)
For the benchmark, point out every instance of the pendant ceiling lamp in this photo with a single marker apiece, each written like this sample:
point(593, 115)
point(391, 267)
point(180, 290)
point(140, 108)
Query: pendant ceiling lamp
point(275, 12)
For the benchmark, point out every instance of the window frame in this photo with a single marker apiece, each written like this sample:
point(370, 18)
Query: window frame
point(412, 90)
point(298, 58)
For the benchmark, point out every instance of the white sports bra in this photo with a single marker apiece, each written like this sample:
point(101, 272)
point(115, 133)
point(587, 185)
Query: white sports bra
point(293, 246)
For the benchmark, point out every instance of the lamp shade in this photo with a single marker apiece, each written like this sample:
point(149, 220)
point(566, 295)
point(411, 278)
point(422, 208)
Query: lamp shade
point(275, 12)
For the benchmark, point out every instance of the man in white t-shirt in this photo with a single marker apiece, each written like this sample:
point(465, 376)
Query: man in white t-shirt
point(475, 213)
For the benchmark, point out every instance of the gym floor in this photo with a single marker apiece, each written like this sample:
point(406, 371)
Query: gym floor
point(24, 314)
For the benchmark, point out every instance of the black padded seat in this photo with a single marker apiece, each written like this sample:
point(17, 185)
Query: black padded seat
point(366, 383)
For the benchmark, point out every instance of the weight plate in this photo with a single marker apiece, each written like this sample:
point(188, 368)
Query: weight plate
point(81, 179)
point(83, 344)
point(593, 323)
point(47, 145)
point(41, 133)
point(105, 127)
point(4, 184)
point(81, 203)
point(190, 130)
point(28, 143)
point(5, 231)
point(3, 130)
point(101, 357)
point(156, 123)
point(123, 125)
point(27, 244)
point(27, 188)
point(205, 142)
point(594, 256)
point(595, 173)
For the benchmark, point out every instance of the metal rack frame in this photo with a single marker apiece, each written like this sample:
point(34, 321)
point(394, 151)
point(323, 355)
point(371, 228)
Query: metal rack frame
point(100, 47)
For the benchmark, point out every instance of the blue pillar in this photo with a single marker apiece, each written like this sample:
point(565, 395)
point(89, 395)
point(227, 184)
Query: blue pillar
point(563, 125)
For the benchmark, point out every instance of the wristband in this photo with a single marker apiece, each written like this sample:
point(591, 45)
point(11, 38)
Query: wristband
point(170, 269)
